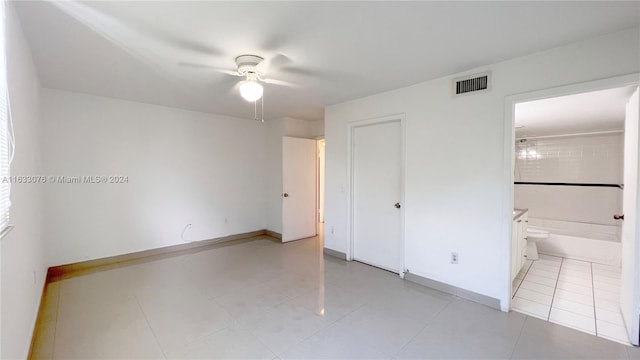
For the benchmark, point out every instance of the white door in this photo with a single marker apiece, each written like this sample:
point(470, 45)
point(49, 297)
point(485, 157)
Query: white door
point(377, 163)
point(321, 180)
point(298, 188)
point(630, 281)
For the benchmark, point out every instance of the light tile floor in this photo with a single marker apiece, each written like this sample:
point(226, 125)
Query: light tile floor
point(265, 300)
point(578, 294)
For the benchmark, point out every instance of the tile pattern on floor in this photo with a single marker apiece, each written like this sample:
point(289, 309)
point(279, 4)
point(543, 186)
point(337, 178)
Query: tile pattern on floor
point(264, 300)
point(578, 294)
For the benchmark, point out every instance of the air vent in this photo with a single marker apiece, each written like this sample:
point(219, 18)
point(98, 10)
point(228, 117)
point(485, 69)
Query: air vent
point(471, 84)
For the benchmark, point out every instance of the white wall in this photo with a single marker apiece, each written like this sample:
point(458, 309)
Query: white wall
point(454, 187)
point(274, 131)
point(575, 159)
point(302, 128)
point(183, 168)
point(317, 128)
point(23, 267)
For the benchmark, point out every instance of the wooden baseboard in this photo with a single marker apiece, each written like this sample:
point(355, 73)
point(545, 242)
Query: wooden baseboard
point(56, 273)
point(274, 234)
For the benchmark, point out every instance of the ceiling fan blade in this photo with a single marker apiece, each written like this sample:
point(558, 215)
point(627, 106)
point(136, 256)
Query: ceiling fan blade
point(273, 64)
point(209, 67)
point(158, 48)
point(235, 89)
point(300, 71)
point(190, 46)
point(276, 39)
point(280, 83)
point(317, 73)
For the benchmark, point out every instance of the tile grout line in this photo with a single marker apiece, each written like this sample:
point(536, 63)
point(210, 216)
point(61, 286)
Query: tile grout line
point(555, 288)
point(515, 345)
point(335, 322)
point(329, 324)
point(535, 290)
point(255, 336)
point(593, 294)
point(422, 329)
point(523, 278)
point(149, 325)
point(527, 313)
point(573, 312)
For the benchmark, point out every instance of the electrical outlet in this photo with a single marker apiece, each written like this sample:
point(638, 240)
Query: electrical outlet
point(454, 257)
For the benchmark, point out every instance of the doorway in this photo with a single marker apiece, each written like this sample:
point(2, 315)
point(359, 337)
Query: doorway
point(376, 193)
point(299, 179)
point(320, 188)
point(321, 181)
point(571, 172)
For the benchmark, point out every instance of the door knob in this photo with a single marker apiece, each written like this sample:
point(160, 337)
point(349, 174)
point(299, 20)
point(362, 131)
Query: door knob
point(618, 217)
point(397, 205)
point(285, 195)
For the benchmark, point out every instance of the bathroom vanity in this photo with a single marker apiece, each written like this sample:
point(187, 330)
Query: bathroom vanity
point(518, 240)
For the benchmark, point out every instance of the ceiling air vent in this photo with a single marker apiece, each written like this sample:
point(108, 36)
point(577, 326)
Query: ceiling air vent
point(471, 84)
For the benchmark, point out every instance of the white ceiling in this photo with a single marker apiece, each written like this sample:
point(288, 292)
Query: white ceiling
point(571, 114)
point(165, 52)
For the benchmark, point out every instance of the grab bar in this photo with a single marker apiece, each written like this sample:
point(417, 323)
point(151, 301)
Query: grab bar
point(619, 186)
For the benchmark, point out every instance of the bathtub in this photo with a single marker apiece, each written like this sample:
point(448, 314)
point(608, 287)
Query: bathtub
point(580, 241)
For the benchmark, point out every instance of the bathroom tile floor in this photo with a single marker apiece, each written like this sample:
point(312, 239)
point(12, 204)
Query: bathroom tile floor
point(578, 294)
point(260, 299)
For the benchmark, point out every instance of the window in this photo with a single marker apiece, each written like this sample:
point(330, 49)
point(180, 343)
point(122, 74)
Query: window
point(6, 140)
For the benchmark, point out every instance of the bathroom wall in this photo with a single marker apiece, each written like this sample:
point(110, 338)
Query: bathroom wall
point(575, 159)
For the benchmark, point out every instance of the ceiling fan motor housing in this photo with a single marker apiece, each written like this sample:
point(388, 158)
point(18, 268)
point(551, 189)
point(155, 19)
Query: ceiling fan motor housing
point(247, 64)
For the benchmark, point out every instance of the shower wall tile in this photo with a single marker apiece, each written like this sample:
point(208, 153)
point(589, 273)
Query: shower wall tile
point(589, 159)
point(592, 205)
point(578, 159)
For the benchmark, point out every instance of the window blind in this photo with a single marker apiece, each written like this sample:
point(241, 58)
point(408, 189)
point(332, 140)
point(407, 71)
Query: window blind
point(5, 138)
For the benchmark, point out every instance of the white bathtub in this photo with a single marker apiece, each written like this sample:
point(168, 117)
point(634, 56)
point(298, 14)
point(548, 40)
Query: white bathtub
point(588, 242)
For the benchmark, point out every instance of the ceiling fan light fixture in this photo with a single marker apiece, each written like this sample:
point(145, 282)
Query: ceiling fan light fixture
point(250, 90)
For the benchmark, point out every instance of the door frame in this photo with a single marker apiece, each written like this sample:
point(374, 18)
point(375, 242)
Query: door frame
point(320, 195)
point(352, 126)
point(509, 156)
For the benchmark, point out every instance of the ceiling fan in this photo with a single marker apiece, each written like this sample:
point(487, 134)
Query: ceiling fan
point(252, 68)
point(250, 89)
